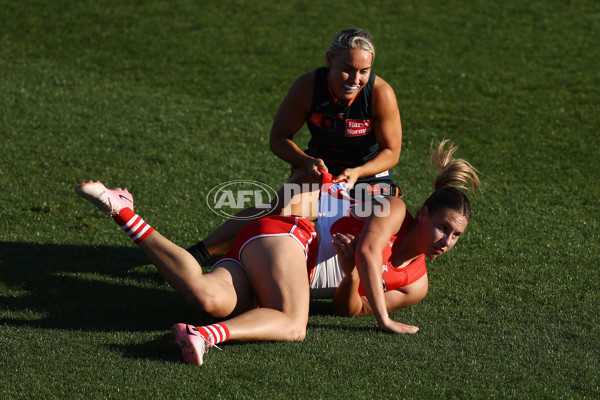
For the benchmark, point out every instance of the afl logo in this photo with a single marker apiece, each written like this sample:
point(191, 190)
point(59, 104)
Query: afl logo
point(229, 198)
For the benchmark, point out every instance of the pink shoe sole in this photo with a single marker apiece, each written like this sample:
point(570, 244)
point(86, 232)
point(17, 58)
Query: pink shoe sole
point(108, 201)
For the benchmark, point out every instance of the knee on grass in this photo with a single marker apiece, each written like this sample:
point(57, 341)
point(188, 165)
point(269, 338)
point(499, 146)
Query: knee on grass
point(294, 332)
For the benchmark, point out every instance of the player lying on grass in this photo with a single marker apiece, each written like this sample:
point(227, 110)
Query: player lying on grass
point(261, 287)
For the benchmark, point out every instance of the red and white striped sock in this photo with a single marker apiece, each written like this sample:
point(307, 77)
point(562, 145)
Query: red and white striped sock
point(137, 229)
point(215, 333)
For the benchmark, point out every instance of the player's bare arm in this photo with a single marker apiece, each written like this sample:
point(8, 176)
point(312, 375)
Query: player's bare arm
point(288, 120)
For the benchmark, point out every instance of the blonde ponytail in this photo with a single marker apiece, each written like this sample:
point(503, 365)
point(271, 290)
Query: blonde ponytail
point(454, 172)
point(456, 177)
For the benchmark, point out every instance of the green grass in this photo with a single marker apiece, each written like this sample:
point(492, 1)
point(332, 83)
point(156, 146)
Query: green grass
point(172, 98)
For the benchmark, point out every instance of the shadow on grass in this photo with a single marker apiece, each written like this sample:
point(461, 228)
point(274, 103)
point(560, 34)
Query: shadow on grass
point(95, 288)
point(161, 348)
point(92, 287)
point(101, 289)
point(344, 327)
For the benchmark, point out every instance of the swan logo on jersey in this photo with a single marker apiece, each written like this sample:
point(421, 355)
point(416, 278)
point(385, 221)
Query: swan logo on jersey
point(358, 127)
point(336, 187)
point(229, 198)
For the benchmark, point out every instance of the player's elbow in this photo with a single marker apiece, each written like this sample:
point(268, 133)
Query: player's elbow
point(415, 294)
point(274, 145)
point(366, 251)
point(393, 154)
point(421, 289)
point(277, 142)
point(420, 295)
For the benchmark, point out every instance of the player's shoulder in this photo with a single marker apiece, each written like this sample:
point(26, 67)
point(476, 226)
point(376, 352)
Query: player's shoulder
point(382, 87)
point(384, 98)
point(307, 78)
point(304, 84)
point(390, 209)
point(397, 209)
point(396, 203)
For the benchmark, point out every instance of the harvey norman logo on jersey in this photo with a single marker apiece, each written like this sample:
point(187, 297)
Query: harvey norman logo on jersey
point(358, 127)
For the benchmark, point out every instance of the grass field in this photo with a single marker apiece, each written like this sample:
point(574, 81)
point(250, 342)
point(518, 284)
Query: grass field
point(171, 98)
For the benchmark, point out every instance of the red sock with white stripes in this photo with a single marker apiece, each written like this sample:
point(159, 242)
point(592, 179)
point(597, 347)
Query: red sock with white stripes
point(214, 334)
point(137, 229)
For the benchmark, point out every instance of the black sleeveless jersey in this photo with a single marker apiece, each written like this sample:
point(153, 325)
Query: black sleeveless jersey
point(342, 135)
